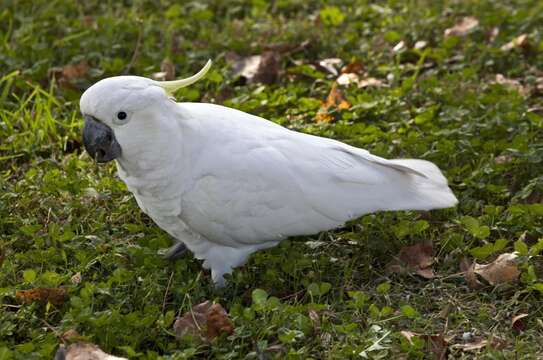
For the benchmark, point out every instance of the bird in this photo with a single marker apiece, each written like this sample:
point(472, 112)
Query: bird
point(225, 184)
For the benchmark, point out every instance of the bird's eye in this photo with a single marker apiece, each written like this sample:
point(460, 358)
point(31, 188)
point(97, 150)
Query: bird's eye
point(121, 115)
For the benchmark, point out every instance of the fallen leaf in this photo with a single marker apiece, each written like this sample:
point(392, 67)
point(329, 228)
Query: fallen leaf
point(84, 351)
point(502, 270)
point(416, 259)
point(347, 79)
point(315, 319)
point(463, 27)
point(355, 67)
point(55, 296)
point(218, 322)
point(399, 46)
point(421, 44)
point(75, 71)
point(517, 323)
point(352, 78)
point(330, 65)
point(256, 68)
point(268, 68)
point(467, 268)
point(520, 42)
point(67, 75)
point(435, 344)
point(481, 342)
point(334, 99)
point(370, 82)
point(167, 71)
point(205, 321)
point(76, 278)
point(511, 84)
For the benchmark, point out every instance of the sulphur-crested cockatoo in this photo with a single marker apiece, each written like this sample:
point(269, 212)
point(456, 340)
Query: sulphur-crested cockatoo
point(226, 183)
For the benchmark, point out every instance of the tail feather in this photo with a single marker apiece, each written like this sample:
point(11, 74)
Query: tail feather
point(432, 190)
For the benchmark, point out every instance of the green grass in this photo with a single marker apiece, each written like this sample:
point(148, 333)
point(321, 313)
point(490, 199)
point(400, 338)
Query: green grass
point(61, 214)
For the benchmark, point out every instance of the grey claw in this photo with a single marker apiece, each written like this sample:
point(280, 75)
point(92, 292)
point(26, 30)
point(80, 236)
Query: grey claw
point(175, 252)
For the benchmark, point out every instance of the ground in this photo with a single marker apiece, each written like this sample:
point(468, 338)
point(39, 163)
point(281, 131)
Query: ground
point(467, 98)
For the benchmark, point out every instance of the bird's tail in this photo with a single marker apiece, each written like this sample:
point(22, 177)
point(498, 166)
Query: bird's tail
point(427, 188)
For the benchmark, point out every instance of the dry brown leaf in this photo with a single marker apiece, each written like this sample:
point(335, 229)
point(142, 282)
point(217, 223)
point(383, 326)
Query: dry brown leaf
point(84, 351)
point(205, 321)
point(416, 259)
point(75, 71)
point(517, 323)
point(335, 99)
point(463, 27)
point(520, 42)
point(257, 68)
point(467, 267)
point(512, 84)
point(355, 67)
point(435, 344)
point(167, 71)
point(55, 296)
point(218, 322)
point(502, 270)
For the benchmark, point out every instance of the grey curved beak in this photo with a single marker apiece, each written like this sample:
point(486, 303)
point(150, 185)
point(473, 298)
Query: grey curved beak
point(99, 140)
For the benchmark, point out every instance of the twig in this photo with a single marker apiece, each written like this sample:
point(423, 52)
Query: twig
point(137, 48)
point(166, 293)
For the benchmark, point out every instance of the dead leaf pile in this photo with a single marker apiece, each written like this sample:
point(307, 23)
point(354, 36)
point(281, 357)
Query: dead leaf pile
point(84, 351)
point(55, 296)
point(463, 27)
point(205, 321)
point(334, 100)
point(417, 259)
point(502, 270)
point(262, 68)
point(436, 345)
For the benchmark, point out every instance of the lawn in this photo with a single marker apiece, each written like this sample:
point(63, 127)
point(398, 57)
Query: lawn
point(459, 83)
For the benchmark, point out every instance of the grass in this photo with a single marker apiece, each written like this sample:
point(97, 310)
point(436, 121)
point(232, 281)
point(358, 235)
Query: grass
point(61, 214)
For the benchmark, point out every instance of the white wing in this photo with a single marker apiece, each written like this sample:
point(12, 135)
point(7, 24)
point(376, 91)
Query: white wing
point(253, 181)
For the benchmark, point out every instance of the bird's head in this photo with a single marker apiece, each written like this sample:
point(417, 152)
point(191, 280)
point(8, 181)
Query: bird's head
point(123, 113)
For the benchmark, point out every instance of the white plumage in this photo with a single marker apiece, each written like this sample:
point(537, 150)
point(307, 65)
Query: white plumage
point(227, 183)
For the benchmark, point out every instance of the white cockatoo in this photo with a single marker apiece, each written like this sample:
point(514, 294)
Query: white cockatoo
point(225, 183)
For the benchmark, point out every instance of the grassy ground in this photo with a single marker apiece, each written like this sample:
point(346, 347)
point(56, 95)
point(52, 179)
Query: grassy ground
point(326, 296)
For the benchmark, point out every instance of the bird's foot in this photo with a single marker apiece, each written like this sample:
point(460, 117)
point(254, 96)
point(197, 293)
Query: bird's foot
point(174, 252)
